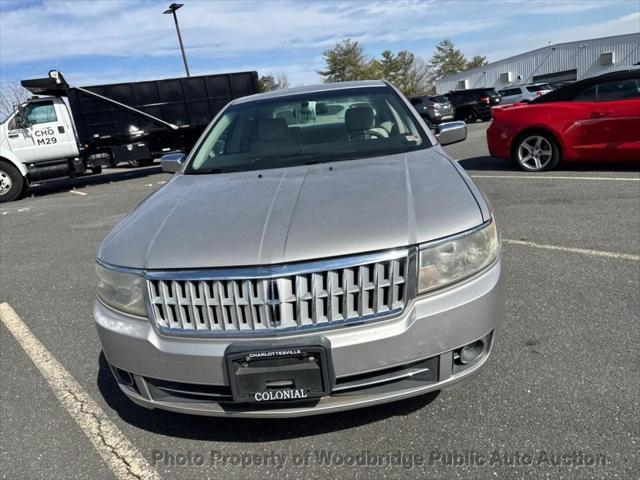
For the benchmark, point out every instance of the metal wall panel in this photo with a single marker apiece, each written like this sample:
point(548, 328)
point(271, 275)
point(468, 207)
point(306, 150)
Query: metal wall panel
point(584, 56)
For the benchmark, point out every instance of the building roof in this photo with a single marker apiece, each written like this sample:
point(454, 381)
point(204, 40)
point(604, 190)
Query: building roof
point(553, 46)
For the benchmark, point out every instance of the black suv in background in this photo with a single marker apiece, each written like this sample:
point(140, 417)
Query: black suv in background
point(434, 109)
point(474, 103)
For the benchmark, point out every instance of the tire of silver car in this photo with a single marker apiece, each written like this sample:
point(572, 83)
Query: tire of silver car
point(536, 152)
point(11, 182)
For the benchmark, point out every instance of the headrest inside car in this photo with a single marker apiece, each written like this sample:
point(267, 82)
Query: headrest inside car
point(271, 129)
point(359, 118)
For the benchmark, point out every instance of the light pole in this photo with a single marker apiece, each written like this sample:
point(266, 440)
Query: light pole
point(172, 9)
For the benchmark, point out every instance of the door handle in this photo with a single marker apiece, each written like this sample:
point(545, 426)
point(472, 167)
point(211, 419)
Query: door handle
point(61, 129)
point(13, 135)
point(599, 114)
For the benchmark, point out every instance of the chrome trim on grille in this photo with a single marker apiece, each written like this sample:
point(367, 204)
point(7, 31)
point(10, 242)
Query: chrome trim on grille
point(283, 298)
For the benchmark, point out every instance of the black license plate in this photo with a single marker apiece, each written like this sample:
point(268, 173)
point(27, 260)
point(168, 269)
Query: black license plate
point(279, 373)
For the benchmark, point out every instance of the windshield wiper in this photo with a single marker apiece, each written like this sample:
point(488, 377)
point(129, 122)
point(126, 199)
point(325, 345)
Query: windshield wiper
point(206, 171)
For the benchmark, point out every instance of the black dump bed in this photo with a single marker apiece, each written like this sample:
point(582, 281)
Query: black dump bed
point(188, 102)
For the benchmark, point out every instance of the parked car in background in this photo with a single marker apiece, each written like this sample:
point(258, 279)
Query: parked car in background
point(523, 93)
point(597, 118)
point(260, 280)
point(433, 109)
point(474, 103)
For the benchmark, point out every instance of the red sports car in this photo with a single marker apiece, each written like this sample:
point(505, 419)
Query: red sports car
point(597, 118)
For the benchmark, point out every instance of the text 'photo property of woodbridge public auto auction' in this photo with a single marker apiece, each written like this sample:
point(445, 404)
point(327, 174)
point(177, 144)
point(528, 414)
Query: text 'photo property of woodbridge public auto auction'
point(309, 239)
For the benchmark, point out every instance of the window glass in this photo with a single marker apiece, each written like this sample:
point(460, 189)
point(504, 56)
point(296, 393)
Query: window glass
point(537, 88)
point(586, 95)
point(439, 99)
point(415, 101)
point(509, 92)
point(288, 131)
point(619, 90)
point(41, 112)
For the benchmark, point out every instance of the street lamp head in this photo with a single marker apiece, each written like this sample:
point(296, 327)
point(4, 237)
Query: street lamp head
point(173, 7)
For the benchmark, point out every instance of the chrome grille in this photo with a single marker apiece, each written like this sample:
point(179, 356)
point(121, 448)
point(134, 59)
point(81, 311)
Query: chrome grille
point(283, 298)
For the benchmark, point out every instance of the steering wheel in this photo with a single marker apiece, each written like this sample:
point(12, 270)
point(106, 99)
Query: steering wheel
point(364, 133)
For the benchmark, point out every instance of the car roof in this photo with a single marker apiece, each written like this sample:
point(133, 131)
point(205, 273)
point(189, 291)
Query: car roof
point(321, 87)
point(562, 93)
point(524, 85)
point(613, 71)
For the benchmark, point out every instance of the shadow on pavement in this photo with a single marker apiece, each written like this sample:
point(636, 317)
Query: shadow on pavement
point(48, 187)
point(500, 164)
point(244, 429)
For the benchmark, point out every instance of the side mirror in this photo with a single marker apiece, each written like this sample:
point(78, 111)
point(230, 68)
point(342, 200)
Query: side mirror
point(451, 132)
point(172, 162)
point(20, 120)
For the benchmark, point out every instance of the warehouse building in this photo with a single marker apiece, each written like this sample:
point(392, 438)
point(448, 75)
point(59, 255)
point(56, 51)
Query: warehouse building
point(554, 64)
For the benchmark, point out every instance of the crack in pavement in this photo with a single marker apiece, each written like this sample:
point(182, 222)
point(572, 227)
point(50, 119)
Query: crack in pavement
point(120, 455)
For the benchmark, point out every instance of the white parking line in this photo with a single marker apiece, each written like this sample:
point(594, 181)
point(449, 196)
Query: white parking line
point(549, 177)
point(78, 192)
point(124, 460)
point(582, 251)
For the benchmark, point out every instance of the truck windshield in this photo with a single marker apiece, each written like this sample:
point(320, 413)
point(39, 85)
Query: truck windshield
point(314, 127)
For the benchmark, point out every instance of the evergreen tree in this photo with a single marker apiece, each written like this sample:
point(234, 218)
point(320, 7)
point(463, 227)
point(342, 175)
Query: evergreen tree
point(477, 61)
point(344, 62)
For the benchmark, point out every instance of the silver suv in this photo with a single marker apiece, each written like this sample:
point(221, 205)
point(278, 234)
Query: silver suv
point(434, 110)
point(523, 93)
point(316, 251)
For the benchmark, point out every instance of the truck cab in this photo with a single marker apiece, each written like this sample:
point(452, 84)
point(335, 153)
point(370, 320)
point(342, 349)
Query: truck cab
point(40, 130)
point(36, 142)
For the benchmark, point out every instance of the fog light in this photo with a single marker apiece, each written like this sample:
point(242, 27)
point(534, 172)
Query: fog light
point(124, 377)
point(470, 352)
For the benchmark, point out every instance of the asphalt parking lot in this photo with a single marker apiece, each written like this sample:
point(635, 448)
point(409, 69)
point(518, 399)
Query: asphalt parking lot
point(563, 379)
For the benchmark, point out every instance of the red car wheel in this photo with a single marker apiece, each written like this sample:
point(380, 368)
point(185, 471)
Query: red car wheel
point(536, 152)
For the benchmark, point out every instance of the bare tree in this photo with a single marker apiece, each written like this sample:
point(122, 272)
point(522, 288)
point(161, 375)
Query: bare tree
point(11, 95)
point(282, 81)
point(270, 82)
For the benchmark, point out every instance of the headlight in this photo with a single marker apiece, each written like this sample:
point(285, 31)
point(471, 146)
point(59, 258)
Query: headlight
point(453, 260)
point(120, 290)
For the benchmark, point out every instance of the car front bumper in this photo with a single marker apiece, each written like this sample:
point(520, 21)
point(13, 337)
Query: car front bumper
point(378, 362)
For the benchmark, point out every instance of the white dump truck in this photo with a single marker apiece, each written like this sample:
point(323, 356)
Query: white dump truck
point(66, 131)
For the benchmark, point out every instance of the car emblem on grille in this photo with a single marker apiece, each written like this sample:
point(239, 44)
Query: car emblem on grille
point(273, 302)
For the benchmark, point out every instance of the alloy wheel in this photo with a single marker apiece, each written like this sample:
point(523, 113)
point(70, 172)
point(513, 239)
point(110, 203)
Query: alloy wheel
point(535, 152)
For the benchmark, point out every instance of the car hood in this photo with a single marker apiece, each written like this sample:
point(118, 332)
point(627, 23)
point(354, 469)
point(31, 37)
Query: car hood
point(294, 214)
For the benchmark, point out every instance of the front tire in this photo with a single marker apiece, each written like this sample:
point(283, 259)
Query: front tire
point(96, 170)
point(12, 183)
point(536, 152)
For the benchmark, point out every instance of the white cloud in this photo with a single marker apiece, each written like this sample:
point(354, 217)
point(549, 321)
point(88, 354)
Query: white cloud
point(496, 49)
point(214, 29)
point(272, 36)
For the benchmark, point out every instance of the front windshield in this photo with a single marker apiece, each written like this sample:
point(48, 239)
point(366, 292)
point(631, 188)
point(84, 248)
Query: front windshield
point(308, 128)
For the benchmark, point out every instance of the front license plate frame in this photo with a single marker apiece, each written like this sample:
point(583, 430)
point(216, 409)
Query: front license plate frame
point(268, 373)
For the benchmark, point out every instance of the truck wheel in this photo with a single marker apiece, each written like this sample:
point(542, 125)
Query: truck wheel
point(11, 182)
point(96, 170)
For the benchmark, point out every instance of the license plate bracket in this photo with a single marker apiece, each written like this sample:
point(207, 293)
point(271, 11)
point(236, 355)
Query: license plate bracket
point(263, 373)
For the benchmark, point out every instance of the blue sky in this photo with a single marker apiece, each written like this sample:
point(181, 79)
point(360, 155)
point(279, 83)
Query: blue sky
point(104, 41)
